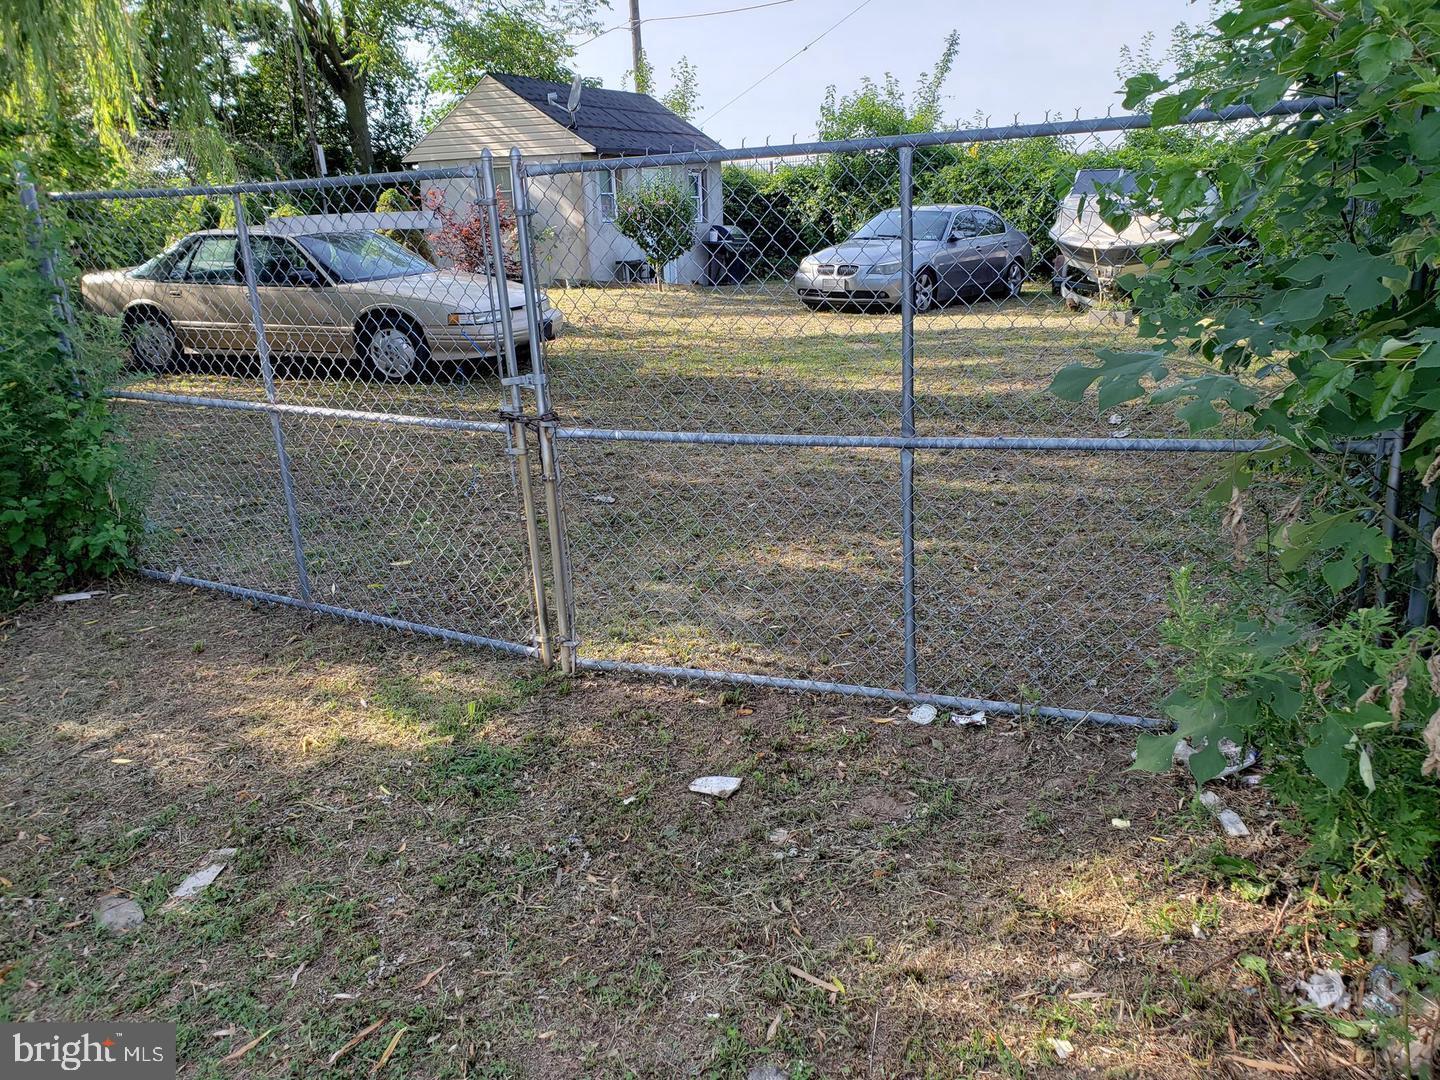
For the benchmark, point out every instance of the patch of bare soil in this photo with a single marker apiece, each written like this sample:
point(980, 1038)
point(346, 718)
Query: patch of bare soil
point(489, 872)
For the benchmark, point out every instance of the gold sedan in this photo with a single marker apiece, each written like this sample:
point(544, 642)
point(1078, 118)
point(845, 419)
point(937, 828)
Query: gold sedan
point(339, 297)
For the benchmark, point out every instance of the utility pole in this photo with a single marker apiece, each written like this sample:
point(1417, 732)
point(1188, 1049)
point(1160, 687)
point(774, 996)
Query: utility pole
point(642, 75)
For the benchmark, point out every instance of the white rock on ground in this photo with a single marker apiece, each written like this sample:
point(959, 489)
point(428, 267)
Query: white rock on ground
point(201, 879)
point(118, 914)
point(1229, 820)
point(721, 787)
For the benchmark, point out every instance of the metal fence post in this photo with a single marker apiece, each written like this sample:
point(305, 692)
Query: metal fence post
point(549, 457)
point(1422, 580)
point(1391, 516)
point(35, 237)
point(907, 412)
point(267, 374)
point(513, 381)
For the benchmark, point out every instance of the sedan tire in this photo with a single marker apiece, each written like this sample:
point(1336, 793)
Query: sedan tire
point(925, 297)
point(393, 348)
point(150, 338)
point(1013, 281)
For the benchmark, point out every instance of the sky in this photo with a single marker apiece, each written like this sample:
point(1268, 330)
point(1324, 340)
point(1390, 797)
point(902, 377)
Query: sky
point(1024, 56)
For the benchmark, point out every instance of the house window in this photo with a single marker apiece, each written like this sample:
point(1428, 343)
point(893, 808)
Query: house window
point(605, 186)
point(503, 187)
point(699, 189)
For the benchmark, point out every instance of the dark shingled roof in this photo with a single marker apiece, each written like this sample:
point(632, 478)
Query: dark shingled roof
point(613, 121)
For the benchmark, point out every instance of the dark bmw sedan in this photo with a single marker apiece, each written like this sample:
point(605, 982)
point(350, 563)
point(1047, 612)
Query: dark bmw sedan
point(960, 252)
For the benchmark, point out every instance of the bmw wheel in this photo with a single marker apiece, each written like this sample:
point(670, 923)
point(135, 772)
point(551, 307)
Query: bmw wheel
point(924, 290)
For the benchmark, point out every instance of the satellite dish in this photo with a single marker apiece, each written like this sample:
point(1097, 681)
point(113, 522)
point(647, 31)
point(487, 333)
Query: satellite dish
point(573, 102)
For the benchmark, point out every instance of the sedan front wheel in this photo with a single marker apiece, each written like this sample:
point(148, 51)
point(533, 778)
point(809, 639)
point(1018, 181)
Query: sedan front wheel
point(152, 343)
point(393, 348)
point(924, 291)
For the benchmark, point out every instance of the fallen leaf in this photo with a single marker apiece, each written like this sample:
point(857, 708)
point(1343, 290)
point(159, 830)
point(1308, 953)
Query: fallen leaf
point(835, 987)
point(1264, 1066)
point(385, 1057)
point(354, 1042)
point(427, 979)
point(236, 1055)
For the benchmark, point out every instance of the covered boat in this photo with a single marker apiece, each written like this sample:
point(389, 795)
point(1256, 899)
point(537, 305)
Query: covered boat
point(1091, 254)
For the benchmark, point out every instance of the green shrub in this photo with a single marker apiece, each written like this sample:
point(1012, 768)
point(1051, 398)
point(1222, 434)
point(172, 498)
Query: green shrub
point(63, 511)
point(1344, 719)
point(392, 200)
point(659, 216)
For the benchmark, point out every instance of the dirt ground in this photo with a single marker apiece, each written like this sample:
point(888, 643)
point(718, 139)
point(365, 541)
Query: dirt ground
point(486, 872)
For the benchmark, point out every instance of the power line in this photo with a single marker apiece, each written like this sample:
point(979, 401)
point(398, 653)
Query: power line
point(834, 26)
point(678, 18)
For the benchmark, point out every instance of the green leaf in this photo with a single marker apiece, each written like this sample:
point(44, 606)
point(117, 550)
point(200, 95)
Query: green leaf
point(1155, 753)
point(1341, 573)
point(1363, 280)
point(1393, 383)
point(1367, 770)
point(1327, 757)
point(1166, 111)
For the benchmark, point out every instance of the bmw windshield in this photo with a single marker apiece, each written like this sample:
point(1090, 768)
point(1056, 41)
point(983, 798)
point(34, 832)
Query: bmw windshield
point(929, 225)
point(363, 256)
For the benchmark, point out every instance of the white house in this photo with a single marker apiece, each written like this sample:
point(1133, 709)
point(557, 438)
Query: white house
point(576, 236)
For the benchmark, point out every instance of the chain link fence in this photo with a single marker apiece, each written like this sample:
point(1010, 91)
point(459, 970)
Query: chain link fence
point(799, 398)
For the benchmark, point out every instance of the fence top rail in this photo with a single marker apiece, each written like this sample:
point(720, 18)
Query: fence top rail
point(311, 183)
point(1093, 126)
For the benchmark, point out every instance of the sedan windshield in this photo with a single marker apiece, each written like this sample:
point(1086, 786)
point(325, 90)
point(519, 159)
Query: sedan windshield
point(929, 225)
point(363, 256)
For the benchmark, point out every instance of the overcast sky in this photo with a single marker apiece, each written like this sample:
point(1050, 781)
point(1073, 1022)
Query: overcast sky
point(1020, 56)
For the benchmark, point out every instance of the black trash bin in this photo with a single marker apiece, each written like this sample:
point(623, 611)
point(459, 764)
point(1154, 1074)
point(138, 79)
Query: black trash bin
point(727, 259)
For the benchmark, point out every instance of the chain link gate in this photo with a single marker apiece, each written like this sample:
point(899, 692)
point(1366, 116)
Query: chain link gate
point(818, 458)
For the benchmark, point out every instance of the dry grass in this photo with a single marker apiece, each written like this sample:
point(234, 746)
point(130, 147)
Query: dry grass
point(509, 867)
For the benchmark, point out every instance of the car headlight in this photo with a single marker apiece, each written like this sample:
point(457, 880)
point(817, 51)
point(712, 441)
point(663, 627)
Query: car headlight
point(891, 267)
point(471, 318)
point(809, 264)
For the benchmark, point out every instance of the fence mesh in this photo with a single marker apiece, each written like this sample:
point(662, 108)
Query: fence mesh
point(799, 402)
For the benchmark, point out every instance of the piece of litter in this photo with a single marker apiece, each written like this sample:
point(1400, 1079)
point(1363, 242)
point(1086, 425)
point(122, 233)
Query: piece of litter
point(201, 879)
point(1230, 821)
point(767, 1072)
point(1116, 419)
point(1426, 959)
point(778, 836)
point(1120, 433)
point(1119, 823)
point(606, 499)
point(1062, 1048)
point(923, 714)
point(969, 719)
point(1382, 991)
point(722, 787)
point(71, 597)
point(629, 799)
point(1325, 989)
point(118, 914)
